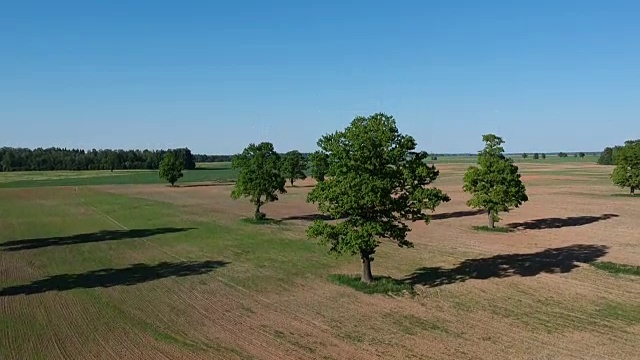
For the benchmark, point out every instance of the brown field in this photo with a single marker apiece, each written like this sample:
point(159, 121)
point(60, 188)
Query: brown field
point(529, 294)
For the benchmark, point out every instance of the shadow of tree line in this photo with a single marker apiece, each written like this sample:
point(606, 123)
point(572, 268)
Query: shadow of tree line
point(105, 235)
point(550, 261)
point(109, 277)
point(557, 223)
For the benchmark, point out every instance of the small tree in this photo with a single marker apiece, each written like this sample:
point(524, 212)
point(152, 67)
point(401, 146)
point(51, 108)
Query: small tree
point(171, 167)
point(562, 155)
point(582, 155)
point(626, 174)
point(544, 156)
point(525, 155)
point(376, 181)
point(259, 176)
point(293, 166)
point(319, 165)
point(494, 184)
point(536, 156)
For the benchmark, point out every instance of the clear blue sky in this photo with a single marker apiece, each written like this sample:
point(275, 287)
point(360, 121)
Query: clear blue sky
point(214, 75)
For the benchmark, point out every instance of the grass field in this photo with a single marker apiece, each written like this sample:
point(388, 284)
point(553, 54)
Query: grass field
point(78, 178)
point(129, 268)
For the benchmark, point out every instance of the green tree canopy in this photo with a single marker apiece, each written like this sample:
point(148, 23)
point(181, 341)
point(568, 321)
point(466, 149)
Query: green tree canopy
point(495, 183)
point(171, 167)
point(606, 157)
point(259, 176)
point(376, 181)
point(544, 156)
point(293, 166)
point(319, 165)
point(626, 174)
point(536, 156)
point(525, 155)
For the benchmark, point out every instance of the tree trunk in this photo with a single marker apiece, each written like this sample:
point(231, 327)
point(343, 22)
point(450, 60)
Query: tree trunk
point(292, 182)
point(492, 223)
point(633, 190)
point(366, 267)
point(258, 214)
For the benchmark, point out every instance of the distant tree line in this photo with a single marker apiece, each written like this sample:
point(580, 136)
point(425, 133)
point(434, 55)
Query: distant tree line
point(200, 158)
point(22, 159)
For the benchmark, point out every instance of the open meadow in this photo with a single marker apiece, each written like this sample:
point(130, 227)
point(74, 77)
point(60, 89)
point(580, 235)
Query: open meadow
point(101, 265)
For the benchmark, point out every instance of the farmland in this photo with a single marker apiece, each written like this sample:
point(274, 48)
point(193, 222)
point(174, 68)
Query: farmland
point(102, 265)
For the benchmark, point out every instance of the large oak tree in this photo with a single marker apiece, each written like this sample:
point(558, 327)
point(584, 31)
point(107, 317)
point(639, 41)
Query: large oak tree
point(259, 176)
point(171, 167)
point(294, 165)
point(626, 174)
point(375, 183)
point(319, 165)
point(494, 184)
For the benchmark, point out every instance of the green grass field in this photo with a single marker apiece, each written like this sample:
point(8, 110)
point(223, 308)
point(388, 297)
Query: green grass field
point(80, 246)
point(75, 178)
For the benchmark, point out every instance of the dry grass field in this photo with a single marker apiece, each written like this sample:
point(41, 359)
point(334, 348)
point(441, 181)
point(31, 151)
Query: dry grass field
point(152, 272)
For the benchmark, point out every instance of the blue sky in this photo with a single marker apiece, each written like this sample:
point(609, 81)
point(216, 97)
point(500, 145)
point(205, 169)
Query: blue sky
point(215, 76)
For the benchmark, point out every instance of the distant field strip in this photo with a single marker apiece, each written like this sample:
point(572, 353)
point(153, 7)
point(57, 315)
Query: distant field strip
point(81, 178)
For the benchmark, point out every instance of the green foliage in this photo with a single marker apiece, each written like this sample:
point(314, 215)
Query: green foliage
point(536, 156)
point(544, 156)
point(376, 181)
point(525, 155)
point(615, 268)
point(582, 155)
point(319, 165)
point(606, 158)
point(293, 166)
point(495, 183)
point(379, 285)
point(626, 174)
point(562, 155)
point(498, 229)
point(259, 176)
point(171, 167)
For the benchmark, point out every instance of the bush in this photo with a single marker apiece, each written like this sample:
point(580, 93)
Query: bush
point(379, 285)
point(497, 229)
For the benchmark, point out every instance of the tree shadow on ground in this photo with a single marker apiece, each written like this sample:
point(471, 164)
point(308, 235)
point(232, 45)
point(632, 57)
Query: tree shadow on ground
point(549, 261)
point(197, 185)
point(105, 278)
point(104, 235)
point(456, 214)
point(557, 223)
point(308, 217)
